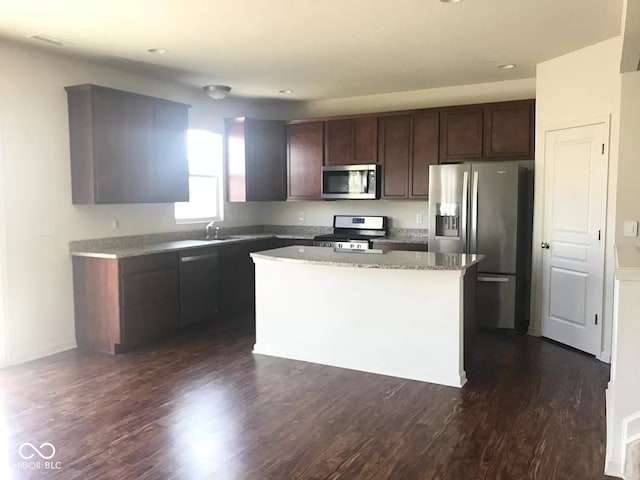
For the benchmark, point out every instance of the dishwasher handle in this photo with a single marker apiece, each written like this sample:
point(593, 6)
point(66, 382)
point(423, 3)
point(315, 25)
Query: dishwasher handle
point(494, 279)
point(198, 258)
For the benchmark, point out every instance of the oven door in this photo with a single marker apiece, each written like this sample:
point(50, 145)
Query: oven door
point(357, 182)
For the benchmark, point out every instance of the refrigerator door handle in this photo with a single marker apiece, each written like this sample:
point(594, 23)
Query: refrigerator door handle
point(473, 242)
point(465, 198)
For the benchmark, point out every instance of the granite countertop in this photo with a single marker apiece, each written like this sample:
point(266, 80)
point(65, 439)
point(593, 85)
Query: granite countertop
point(137, 245)
point(171, 246)
point(395, 259)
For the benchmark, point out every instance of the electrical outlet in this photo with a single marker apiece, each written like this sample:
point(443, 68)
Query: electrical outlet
point(418, 218)
point(301, 216)
point(115, 224)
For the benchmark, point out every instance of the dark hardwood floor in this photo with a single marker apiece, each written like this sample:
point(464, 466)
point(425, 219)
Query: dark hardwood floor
point(203, 407)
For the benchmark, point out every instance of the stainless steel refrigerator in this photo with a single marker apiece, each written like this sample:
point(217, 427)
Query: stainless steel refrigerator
point(487, 208)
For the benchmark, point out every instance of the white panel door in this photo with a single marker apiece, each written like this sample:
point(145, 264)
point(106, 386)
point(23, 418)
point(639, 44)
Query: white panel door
point(573, 246)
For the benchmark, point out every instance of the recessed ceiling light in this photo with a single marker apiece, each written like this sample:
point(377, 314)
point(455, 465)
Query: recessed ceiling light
point(48, 39)
point(507, 66)
point(286, 90)
point(157, 50)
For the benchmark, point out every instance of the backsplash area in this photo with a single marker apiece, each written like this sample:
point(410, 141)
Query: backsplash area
point(402, 213)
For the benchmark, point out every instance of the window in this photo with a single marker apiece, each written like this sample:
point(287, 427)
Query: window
point(204, 151)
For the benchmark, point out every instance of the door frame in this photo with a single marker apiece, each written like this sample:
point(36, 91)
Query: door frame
point(4, 297)
point(535, 324)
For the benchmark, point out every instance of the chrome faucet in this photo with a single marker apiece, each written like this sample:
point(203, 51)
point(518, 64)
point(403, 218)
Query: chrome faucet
point(209, 229)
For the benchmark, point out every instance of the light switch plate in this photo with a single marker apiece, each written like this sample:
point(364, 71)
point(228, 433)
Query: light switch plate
point(418, 218)
point(630, 228)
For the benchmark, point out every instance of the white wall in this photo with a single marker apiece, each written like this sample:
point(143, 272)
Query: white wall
point(623, 394)
point(433, 97)
point(40, 219)
point(575, 88)
point(624, 389)
point(402, 214)
point(628, 204)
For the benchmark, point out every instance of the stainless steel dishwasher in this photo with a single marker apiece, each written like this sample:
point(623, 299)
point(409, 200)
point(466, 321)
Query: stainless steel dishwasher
point(199, 272)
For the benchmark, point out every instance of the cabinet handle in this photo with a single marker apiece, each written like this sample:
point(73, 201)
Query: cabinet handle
point(493, 279)
point(196, 258)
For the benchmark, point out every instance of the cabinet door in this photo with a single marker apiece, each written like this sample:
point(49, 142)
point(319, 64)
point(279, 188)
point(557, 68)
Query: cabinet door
point(351, 141)
point(149, 297)
point(123, 148)
point(235, 159)
point(338, 142)
point(170, 170)
point(394, 151)
point(461, 134)
point(305, 155)
point(150, 305)
point(265, 148)
point(365, 140)
point(509, 130)
point(425, 142)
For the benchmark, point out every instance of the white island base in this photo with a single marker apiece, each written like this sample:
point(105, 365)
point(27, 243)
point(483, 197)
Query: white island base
point(400, 315)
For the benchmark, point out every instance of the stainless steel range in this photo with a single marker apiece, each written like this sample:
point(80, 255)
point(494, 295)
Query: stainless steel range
point(353, 232)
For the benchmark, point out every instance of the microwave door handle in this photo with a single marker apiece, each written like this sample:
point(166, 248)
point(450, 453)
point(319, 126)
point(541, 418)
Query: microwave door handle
point(366, 182)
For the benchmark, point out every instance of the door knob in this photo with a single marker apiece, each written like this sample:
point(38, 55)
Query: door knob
point(544, 245)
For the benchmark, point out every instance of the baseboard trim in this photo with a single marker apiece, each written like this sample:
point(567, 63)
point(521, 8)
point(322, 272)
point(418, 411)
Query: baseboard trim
point(605, 357)
point(52, 350)
point(320, 357)
point(613, 469)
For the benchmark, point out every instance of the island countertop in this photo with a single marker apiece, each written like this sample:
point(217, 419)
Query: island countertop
point(394, 259)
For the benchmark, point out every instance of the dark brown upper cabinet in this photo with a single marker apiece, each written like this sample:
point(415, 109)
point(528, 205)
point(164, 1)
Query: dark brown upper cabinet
point(305, 153)
point(395, 152)
point(461, 133)
point(425, 136)
point(508, 130)
point(255, 154)
point(126, 148)
point(350, 141)
point(408, 145)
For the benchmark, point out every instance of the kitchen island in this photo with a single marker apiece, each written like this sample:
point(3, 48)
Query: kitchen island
point(394, 313)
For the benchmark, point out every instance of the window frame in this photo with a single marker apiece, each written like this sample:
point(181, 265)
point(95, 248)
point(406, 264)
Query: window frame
point(219, 207)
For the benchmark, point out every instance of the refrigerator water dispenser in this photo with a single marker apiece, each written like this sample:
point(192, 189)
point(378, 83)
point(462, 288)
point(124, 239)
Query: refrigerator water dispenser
point(447, 220)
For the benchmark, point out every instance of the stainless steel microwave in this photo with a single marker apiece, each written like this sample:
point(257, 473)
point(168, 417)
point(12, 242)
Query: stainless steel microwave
point(351, 182)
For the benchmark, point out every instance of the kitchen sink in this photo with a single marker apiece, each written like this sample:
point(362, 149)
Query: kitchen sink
point(219, 238)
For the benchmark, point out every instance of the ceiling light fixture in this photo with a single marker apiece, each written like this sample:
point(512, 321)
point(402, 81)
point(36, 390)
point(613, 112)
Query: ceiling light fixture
point(217, 92)
point(48, 39)
point(157, 50)
point(450, 1)
point(507, 66)
point(286, 90)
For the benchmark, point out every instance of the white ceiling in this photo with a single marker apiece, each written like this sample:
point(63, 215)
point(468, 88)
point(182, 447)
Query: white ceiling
point(322, 48)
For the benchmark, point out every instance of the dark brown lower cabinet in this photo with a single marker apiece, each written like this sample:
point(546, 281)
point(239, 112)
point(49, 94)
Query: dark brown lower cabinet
point(237, 273)
point(124, 303)
point(411, 247)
